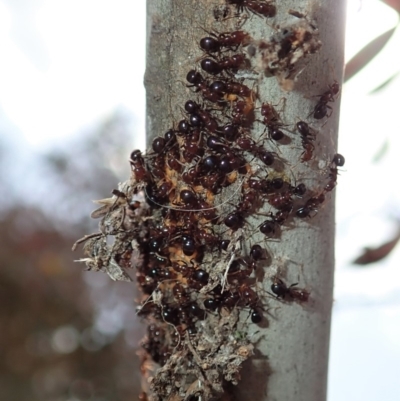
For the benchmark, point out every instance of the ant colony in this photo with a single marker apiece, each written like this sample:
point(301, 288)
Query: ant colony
point(184, 220)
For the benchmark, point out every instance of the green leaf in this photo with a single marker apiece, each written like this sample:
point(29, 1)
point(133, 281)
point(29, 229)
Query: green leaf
point(365, 55)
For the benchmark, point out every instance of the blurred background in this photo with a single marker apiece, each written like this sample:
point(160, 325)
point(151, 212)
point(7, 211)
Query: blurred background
point(72, 108)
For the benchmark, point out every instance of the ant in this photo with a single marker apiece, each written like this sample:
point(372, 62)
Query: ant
point(158, 144)
point(257, 253)
point(183, 268)
point(238, 89)
point(230, 90)
point(146, 283)
point(230, 40)
point(190, 176)
point(213, 182)
point(161, 144)
point(282, 214)
point(138, 167)
point(272, 121)
point(234, 220)
point(196, 80)
point(248, 202)
point(208, 238)
point(337, 161)
point(281, 290)
point(321, 108)
point(211, 304)
point(248, 295)
point(173, 162)
point(266, 186)
point(230, 131)
point(312, 205)
point(158, 166)
point(164, 190)
point(249, 145)
point(198, 116)
point(188, 198)
point(236, 274)
point(225, 64)
point(192, 146)
point(281, 200)
point(198, 278)
point(243, 113)
point(307, 136)
point(266, 9)
point(269, 227)
point(299, 190)
point(256, 316)
point(208, 212)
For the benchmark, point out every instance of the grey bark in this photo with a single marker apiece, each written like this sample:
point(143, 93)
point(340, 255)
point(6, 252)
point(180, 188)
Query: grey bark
point(292, 354)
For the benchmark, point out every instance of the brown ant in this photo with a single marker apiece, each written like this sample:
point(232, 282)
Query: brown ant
point(174, 163)
point(138, 167)
point(269, 227)
point(236, 274)
point(199, 116)
point(164, 190)
point(322, 107)
point(307, 136)
point(183, 268)
point(337, 161)
point(272, 121)
point(243, 113)
point(192, 146)
point(215, 67)
point(281, 290)
point(238, 89)
point(202, 85)
point(257, 253)
point(266, 186)
point(248, 202)
point(264, 8)
point(248, 295)
point(281, 200)
point(249, 145)
point(312, 205)
point(234, 220)
point(299, 190)
point(229, 40)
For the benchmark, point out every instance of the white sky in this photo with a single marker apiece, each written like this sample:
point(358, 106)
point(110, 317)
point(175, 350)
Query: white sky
point(68, 64)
